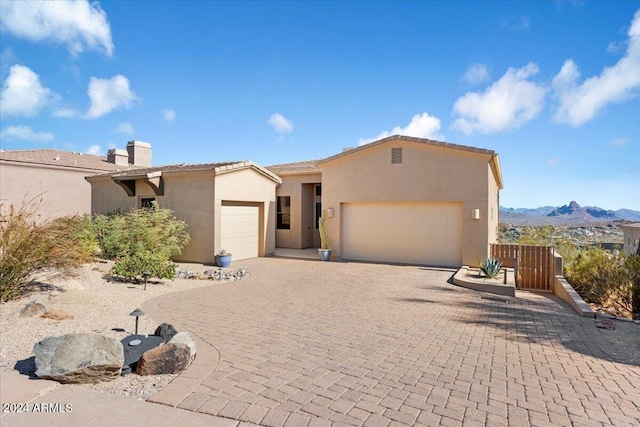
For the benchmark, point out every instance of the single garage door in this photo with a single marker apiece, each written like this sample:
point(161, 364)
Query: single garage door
point(239, 232)
point(407, 233)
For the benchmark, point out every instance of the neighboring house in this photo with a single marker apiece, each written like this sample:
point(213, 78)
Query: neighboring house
point(400, 200)
point(631, 236)
point(55, 178)
point(229, 206)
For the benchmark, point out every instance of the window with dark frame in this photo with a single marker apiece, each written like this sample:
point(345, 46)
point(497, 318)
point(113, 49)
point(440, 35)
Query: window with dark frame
point(318, 190)
point(147, 202)
point(284, 213)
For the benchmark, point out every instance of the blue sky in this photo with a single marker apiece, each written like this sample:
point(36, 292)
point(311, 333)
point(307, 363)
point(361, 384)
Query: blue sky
point(553, 87)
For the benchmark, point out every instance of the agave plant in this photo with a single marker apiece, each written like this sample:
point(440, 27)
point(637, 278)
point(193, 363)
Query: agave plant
point(490, 267)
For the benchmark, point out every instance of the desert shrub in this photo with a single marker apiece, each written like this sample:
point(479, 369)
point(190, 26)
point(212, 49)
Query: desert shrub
point(134, 265)
point(605, 278)
point(490, 267)
point(142, 240)
point(29, 245)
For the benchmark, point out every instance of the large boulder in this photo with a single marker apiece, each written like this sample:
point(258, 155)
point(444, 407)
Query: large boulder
point(165, 359)
point(79, 358)
point(185, 338)
point(166, 331)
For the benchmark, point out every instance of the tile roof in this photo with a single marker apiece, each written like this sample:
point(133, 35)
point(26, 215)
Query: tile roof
point(183, 167)
point(308, 166)
point(68, 159)
point(632, 225)
point(410, 139)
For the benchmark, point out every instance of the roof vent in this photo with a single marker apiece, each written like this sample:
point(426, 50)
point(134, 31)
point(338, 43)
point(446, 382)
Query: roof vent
point(396, 155)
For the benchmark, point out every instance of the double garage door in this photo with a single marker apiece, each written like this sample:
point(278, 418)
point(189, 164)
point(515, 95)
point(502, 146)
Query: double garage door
point(406, 233)
point(239, 231)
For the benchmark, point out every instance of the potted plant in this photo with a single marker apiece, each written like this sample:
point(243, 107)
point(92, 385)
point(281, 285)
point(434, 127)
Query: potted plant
point(223, 259)
point(324, 251)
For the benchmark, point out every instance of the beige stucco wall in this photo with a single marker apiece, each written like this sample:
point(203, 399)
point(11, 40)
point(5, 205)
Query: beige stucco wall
point(294, 186)
point(631, 236)
point(249, 185)
point(427, 173)
point(63, 191)
point(188, 195)
point(196, 198)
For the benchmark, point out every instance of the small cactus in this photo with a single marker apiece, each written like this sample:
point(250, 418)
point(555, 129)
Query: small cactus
point(490, 267)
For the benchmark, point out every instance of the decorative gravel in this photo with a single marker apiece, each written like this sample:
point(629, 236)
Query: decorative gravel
point(98, 305)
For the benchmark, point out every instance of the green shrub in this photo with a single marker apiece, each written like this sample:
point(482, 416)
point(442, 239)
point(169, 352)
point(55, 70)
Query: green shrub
point(132, 266)
point(491, 267)
point(142, 240)
point(28, 247)
point(605, 278)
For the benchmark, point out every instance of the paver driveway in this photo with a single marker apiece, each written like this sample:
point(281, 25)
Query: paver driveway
point(319, 344)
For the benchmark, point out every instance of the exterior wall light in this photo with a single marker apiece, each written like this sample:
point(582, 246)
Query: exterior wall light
point(330, 212)
point(475, 213)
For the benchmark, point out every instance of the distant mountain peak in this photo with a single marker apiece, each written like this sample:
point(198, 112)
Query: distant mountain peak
point(573, 209)
point(572, 213)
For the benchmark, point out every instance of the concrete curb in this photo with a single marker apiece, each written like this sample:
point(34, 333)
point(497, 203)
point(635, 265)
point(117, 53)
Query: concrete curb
point(461, 279)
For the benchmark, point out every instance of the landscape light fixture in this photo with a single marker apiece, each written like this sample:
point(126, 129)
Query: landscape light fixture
point(137, 312)
point(145, 275)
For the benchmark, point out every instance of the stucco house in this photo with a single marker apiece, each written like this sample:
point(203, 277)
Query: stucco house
point(56, 177)
point(631, 237)
point(399, 200)
point(229, 206)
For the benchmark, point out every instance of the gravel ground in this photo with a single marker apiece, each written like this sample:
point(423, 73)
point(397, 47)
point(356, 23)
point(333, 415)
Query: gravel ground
point(100, 306)
point(97, 306)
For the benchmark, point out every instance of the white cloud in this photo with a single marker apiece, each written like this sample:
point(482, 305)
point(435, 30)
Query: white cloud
point(66, 113)
point(477, 73)
point(421, 126)
point(7, 57)
point(25, 133)
point(108, 94)
point(94, 149)
point(126, 128)
point(580, 103)
point(619, 142)
point(552, 162)
point(79, 25)
point(22, 93)
point(280, 123)
point(506, 104)
point(169, 115)
point(517, 23)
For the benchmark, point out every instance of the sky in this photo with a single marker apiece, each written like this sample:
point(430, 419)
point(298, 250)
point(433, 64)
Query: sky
point(552, 87)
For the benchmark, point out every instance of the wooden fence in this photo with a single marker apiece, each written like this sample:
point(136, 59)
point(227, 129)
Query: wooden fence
point(533, 266)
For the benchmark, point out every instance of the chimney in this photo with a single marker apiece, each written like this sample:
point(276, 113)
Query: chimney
point(139, 153)
point(118, 157)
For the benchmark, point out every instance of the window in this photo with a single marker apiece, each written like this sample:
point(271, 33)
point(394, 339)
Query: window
point(318, 190)
point(148, 202)
point(284, 213)
point(396, 155)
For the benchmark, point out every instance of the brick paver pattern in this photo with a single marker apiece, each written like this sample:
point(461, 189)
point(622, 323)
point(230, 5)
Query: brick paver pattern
point(304, 343)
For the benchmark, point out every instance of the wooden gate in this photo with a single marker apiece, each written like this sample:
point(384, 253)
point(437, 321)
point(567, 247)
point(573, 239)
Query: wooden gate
point(533, 265)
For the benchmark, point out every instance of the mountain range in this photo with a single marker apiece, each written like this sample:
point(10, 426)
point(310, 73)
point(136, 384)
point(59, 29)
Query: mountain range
point(572, 213)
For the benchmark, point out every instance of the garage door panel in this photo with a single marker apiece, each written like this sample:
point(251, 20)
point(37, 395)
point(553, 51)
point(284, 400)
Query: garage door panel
point(411, 233)
point(239, 231)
